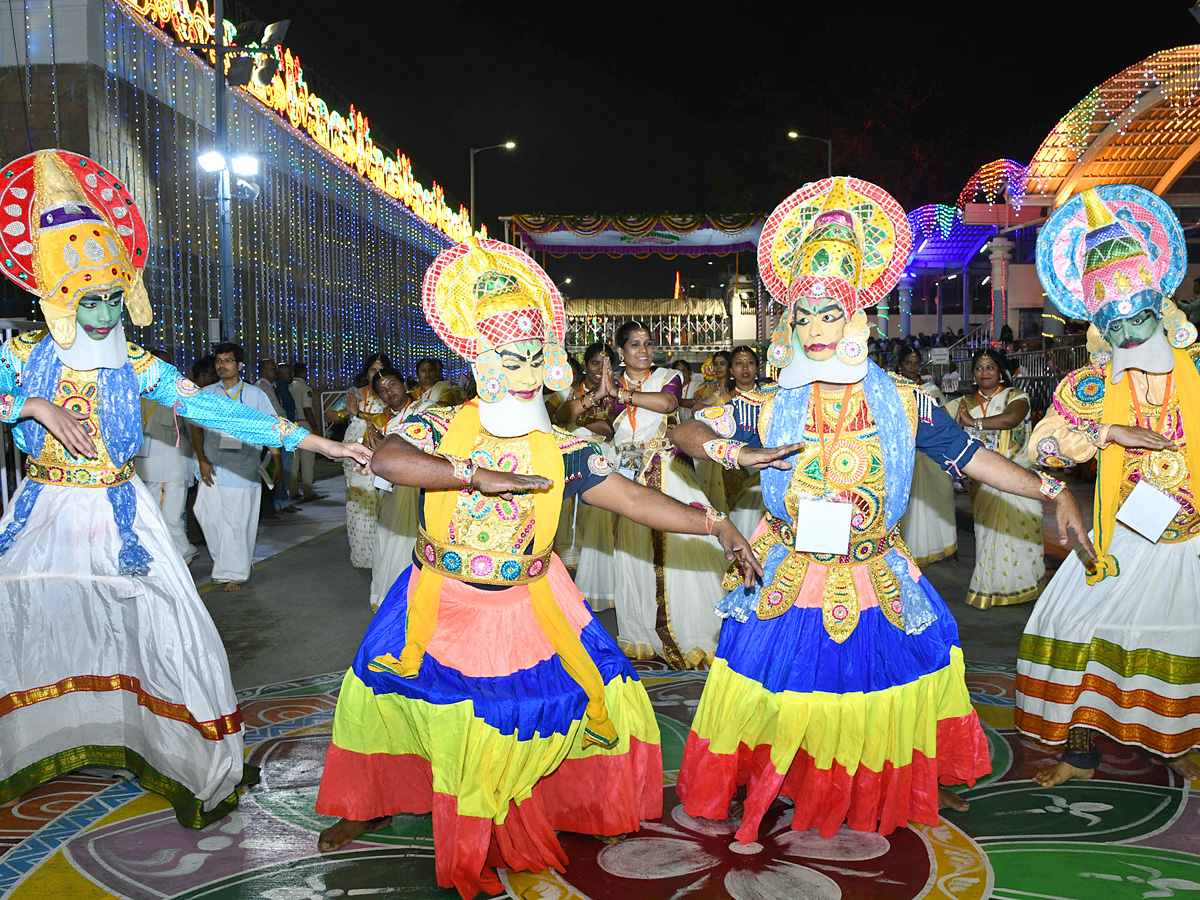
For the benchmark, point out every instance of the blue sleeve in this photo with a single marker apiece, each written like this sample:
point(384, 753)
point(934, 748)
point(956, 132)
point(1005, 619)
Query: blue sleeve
point(164, 384)
point(585, 468)
point(11, 398)
point(735, 421)
point(940, 438)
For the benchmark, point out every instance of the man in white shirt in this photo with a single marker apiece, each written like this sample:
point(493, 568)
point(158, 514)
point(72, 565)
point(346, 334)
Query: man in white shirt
point(306, 415)
point(165, 464)
point(230, 491)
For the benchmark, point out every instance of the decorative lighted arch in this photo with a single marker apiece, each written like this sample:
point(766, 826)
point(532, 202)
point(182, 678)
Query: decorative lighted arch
point(1141, 126)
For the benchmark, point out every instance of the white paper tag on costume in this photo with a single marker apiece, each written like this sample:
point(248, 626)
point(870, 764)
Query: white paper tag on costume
point(1148, 511)
point(822, 526)
point(384, 485)
point(229, 442)
point(629, 472)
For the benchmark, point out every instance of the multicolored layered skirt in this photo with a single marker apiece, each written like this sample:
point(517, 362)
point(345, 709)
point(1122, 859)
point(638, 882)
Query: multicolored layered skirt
point(488, 737)
point(1122, 656)
point(860, 731)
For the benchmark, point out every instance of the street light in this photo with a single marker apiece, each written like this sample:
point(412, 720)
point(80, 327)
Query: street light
point(507, 145)
point(828, 142)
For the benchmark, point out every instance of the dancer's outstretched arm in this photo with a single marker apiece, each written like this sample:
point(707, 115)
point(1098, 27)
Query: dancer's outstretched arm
point(1004, 475)
point(692, 435)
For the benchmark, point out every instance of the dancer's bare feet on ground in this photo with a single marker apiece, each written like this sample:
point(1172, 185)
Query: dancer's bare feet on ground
point(231, 586)
point(343, 831)
point(1184, 767)
point(1060, 772)
point(950, 800)
point(610, 839)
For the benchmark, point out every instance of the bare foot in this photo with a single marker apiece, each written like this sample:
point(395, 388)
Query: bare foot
point(1184, 766)
point(950, 800)
point(610, 839)
point(231, 586)
point(1060, 772)
point(343, 831)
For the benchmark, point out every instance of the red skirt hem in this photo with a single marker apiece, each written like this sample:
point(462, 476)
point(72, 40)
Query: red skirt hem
point(826, 798)
point(599, 794)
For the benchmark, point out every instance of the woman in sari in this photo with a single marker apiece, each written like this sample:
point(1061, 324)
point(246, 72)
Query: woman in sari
point(1010, 561)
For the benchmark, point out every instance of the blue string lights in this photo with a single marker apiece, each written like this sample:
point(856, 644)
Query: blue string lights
point(328, 266)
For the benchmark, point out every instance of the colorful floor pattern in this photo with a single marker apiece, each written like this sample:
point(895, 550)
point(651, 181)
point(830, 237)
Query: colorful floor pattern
point(1131, 834)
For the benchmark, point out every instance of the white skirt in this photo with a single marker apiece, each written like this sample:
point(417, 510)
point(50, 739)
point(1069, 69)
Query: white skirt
point(1121, 656)
point(566, 539)
point(596, 575)
point(927, 526)
point(362, 498)
point(746, 510)
point(1010, 548)
point(395, 538)
point(95, 661)
point(681, 604)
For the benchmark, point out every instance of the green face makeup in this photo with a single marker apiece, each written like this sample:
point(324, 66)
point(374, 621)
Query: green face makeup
point(1134, 331)
point(99, 313)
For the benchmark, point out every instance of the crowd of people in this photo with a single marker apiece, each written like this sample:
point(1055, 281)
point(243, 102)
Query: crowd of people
point(771, 532)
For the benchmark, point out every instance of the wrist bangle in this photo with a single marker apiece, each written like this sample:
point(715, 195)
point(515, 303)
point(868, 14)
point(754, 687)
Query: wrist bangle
point(724, 452)
point(712, 517)
point(464, 469)
point(1050, 487)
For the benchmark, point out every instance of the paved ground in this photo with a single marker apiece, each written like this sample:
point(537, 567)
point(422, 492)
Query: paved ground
point(1132, 833)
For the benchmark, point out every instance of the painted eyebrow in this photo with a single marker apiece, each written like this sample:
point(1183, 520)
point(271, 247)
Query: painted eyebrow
point(518, 356)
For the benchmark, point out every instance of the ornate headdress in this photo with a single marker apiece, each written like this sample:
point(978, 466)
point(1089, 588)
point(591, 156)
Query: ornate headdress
point(69, 227)
point(485, 293)
point(1112, 252)
point(842, 238)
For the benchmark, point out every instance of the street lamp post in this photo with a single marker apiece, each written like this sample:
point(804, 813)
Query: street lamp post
point(507, 145)
point(828, 142)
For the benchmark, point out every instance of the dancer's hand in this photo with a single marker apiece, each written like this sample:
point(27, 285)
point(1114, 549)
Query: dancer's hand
point(1070, 522)
point(759, 458)
point(737, 549)
point(1136, 436)
point(505, 484)
point(64, 424)
point(360, 454)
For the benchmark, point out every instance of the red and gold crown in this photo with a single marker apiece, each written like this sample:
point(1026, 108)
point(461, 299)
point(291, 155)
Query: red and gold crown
point(68, 227)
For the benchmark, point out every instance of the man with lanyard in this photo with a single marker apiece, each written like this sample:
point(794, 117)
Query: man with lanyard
point(1113, 647)
point(230, 490)
point(268, 372)
point(165, 464)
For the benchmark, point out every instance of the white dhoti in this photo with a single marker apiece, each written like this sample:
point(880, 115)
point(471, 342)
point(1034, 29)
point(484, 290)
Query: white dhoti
point(171, 497)
point(395, 538)
point(102, 668)
point(229, 518)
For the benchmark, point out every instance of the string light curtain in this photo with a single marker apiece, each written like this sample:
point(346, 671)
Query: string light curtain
point(327, 268)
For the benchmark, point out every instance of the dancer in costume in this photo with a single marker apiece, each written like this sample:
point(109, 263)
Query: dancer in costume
point(928, 525)
point(484, 691)
point(667, 584)
point(396, 528)
point(107, 654)
point(1114, 648)
point(1010, 547)
point(362, 497)
point(595, 528)
point(840, 681)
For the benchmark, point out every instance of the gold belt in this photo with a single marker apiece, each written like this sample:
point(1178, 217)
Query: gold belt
point(78, 476)
point(481, 566)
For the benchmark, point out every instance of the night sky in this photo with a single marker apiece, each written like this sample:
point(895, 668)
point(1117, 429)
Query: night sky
point(678, 107)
